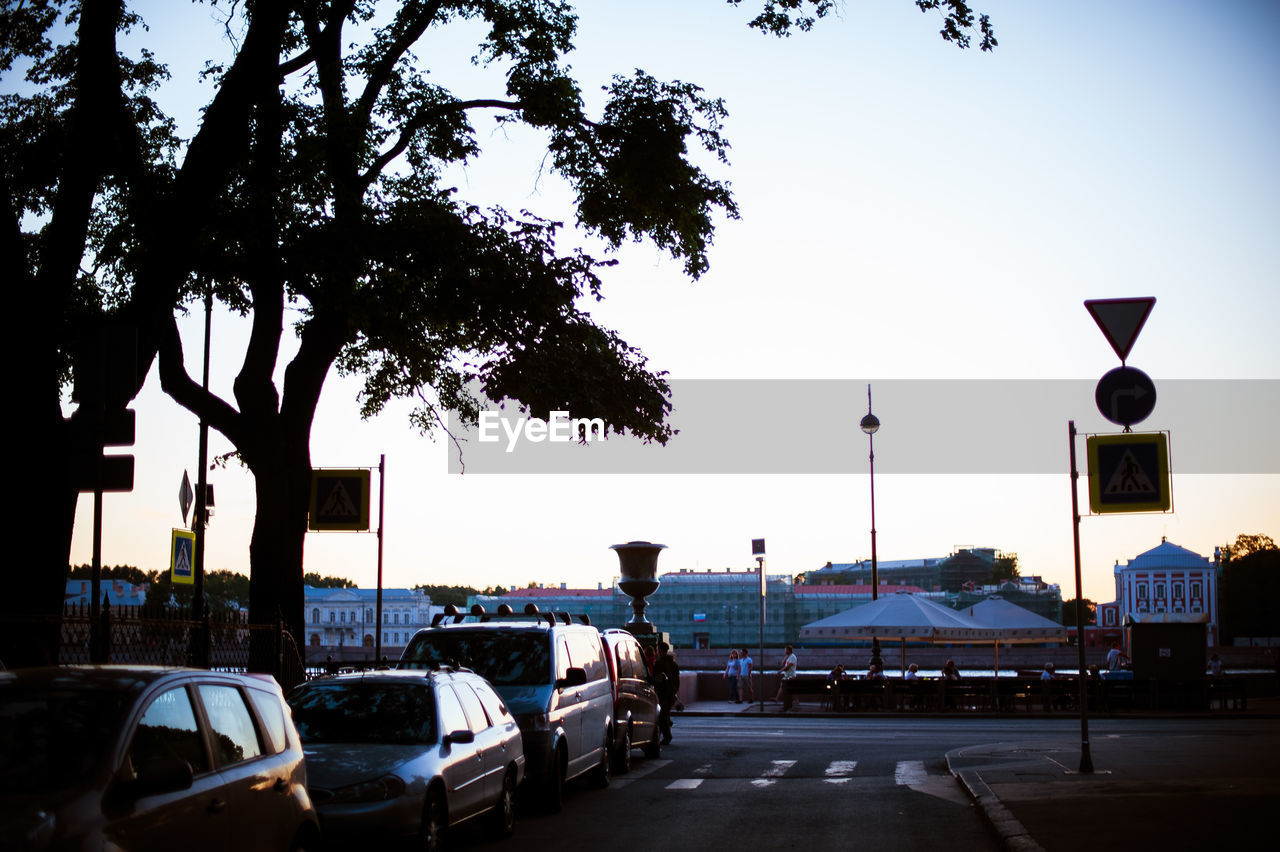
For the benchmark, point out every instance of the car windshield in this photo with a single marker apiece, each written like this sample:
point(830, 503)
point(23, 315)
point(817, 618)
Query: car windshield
point(503, 657)
point(363, 711)
point(52, 737)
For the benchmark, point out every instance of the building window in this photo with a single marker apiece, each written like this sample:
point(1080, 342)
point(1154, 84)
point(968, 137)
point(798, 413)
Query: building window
point(343, 618)
point(395, 618)
point(332, 616)
point(315, 616)
point(1195, 590)
point(1178, 592)
point(368, 616)
point(1142, 591)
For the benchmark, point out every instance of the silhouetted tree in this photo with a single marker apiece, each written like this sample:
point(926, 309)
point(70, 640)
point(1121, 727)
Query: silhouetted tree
point(1249, 588)
point(313, 185)
point(326, 582)
point(1069, 612)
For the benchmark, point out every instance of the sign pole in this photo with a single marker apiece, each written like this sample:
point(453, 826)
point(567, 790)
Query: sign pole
point(1086, 760)
point(382, 514)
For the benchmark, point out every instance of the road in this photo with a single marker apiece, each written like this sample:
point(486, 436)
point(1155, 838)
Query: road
point(793, 782)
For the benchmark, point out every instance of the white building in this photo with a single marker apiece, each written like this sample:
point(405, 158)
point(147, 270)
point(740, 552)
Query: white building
point(339, 618)
point(1166, 579)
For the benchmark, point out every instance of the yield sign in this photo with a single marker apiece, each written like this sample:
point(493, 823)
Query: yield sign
point(1120, 320)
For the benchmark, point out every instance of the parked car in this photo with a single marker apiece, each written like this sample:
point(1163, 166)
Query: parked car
point(407, 754)
point(635, 701)
point(554, 678)
point(147, 758)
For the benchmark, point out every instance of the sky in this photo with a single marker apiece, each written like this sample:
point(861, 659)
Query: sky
point(911, 212)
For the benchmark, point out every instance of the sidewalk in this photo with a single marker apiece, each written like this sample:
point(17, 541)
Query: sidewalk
point(1209, 790)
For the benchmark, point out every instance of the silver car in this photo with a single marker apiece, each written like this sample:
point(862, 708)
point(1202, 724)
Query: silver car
point(406, 754)
point(144, 758)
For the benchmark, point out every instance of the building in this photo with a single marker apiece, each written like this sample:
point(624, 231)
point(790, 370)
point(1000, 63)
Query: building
point(967, 566)
point(117, 592)
point(345, 618)
point(1165, 579)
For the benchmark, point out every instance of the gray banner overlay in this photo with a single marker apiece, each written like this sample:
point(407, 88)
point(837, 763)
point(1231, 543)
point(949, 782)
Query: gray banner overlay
point(927, 426)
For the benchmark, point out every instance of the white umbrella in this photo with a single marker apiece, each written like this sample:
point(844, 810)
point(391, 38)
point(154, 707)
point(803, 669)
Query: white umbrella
point(899, 616)
point(1014, 624)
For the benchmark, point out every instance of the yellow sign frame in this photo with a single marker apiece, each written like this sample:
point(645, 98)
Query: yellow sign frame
point(1122, 458)
point(182, 540)
point(339, 488)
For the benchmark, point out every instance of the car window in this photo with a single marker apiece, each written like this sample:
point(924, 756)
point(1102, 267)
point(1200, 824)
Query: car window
point(472, 707)
point(451, 716)
point(585, 651)
point(498, 713)
point(235, 738)
point(628, 660)
point(271, 712)
point(168, 729)
point(52, 737)
point(563, 661)
point(360, 711)
point(502, 657)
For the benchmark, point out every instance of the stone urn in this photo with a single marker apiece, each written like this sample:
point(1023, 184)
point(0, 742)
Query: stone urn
point(639, 568)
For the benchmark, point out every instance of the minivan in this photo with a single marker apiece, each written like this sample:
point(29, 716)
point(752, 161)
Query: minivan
point(553, 676)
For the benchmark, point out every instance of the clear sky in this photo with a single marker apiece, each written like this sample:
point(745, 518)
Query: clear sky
point(909, 211)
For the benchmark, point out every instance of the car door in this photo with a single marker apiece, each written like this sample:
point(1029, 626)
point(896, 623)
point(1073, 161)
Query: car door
point(567, 708)
point(488, 742)
point(256, 787)
point(463, 762)
point(191, 819)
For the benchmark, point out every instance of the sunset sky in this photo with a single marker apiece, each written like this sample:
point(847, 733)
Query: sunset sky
point(910, 211)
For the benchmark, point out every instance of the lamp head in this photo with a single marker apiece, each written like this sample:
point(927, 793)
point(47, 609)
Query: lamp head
point(870, 423)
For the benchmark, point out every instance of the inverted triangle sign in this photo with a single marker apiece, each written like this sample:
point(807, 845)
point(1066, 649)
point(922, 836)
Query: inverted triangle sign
point(1121, 320)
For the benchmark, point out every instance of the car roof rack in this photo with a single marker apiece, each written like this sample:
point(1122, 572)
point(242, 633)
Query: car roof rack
point(506, 613)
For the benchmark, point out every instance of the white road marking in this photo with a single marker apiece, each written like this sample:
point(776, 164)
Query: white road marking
point(841, 768)
point(638, 771)
point(778, 769)
point(704, 769)
point(909, 772)
point(684, 784)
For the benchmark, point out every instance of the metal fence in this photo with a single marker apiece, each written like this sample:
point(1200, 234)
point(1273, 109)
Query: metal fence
point(168, 636)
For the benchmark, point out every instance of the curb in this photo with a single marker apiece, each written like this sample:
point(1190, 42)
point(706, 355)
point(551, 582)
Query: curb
point(1012, 834)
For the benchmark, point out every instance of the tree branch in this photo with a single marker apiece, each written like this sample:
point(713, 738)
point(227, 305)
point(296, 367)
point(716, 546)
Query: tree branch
point(178, 384)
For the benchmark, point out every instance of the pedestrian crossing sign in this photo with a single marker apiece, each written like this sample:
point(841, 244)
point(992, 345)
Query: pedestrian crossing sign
point(1129, 472)
point(339, 500)
point(182, 548)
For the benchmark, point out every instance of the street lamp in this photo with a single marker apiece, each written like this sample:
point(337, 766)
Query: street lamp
point(871, 424)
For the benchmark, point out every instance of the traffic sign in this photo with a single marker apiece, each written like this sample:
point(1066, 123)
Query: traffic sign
point(1121, 320)
point(1129, 472)
point(339, 500)
point(1125, 395)
point(116, 472)
point(182, 548)
point(185, 496)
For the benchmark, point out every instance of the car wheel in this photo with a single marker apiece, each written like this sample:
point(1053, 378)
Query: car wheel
point(653, 749)
point(602, 775)
point(434, 820)
point(553, 789)
point(503, 819)
point(622, 759)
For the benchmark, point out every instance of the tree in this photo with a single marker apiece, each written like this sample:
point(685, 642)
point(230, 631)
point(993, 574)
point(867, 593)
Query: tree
point(1248, 589)
point(128, 573)
point(1005, 567)
point(318, 582)
point(1069, 612)
point(314, 184)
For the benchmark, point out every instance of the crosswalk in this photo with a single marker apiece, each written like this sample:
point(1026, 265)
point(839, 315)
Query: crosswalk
point(906, 773)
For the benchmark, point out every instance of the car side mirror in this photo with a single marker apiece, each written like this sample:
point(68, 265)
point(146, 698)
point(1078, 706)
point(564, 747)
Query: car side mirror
point(459, 737)
point(574, 676)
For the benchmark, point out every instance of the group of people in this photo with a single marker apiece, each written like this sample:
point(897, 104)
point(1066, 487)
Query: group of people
point(738, 672)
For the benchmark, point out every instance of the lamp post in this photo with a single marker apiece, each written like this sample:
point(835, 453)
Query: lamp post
point(871, 424)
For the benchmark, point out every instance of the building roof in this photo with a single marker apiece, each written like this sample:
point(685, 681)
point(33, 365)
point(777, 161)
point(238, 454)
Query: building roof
point(854, 589)
point(558, 593)
point(1164, 555)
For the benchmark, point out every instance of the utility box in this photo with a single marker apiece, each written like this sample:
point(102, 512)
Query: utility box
point(1168, 649)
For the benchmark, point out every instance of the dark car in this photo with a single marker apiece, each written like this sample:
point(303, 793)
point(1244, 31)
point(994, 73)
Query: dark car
point(635, 701)
point(143, 758)
point(399, 755)
point(553, 676)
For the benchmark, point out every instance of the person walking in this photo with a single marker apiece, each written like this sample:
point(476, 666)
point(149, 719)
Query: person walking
point(744, 676)
point(785, 674)
point(732, 672)
point(666, 678)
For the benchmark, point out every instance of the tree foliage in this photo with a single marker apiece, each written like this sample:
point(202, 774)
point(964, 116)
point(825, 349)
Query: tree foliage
point(314, 188)
point(1069, 612)
point(457, 595)
point(1249, 587)
point(1246, 545)
point(316, 581)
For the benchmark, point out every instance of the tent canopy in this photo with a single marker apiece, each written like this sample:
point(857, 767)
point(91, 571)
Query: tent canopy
point(899, 616)
point(1015, 624)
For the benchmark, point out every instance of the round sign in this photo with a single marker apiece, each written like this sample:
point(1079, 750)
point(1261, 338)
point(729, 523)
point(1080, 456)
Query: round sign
point(1125, 396)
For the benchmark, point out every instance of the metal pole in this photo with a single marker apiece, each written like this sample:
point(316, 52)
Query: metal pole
point(382, 513)
point(201, 518)
point(1086, 760)
point(760, 662)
